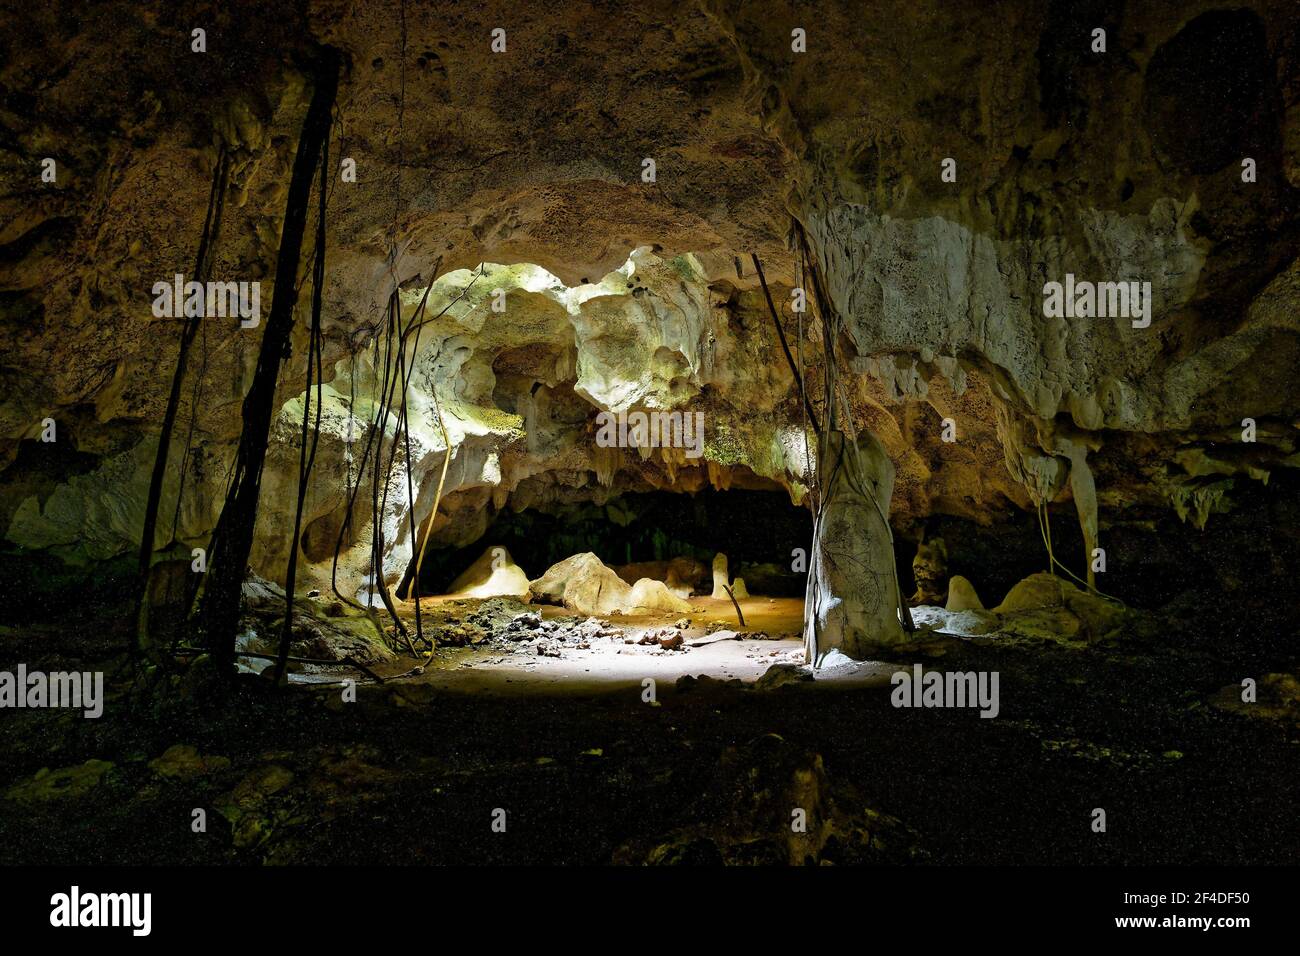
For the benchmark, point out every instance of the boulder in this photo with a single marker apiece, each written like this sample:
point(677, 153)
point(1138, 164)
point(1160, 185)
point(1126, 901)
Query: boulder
point(583, 583)
point(588, 586)
point(1036, 591)
point(779, 675)
point(493, 574)
point(1043, 605)
point(648, 596)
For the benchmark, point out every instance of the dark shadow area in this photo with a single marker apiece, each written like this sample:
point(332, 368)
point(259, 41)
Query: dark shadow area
point(1238, 566)
point(757, 530)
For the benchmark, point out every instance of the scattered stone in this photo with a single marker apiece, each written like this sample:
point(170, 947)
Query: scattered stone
point(668, 638)
point(498, 613)
point(523, 627)
point(47, 784)
point(689, 683)
point(779, 675)
point(184, 762)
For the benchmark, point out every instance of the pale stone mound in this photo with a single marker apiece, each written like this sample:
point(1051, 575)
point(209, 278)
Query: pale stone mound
point(1036, 591)
point(682, 575)
point(720, 576)
point(649, 596)
point(1045, 606)
point(738, 589)
point(493, 574)
point(585, 584)
point(962, 596)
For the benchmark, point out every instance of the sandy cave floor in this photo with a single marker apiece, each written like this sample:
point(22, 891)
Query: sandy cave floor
point(618, 662)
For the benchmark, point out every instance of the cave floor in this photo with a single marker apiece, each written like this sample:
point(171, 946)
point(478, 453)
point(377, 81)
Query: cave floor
point(413, 771)
point(714, 645)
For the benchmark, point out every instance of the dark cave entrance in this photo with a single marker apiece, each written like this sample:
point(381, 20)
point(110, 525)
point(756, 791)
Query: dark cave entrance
point(757, 530)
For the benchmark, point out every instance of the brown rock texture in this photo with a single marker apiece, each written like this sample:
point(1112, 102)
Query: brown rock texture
point(624, 295)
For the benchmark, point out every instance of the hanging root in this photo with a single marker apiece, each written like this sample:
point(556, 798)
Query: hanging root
point(316, 372)
point(233, 536)
point(785, 347)
point(1045, 532)
point(433, 512)
point(202, 260)
point(395, 342)
point(735, 604)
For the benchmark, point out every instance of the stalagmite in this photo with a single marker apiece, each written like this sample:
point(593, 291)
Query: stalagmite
point(962, 596)
point(852, 601)
point(738, 589)
point(720, 578)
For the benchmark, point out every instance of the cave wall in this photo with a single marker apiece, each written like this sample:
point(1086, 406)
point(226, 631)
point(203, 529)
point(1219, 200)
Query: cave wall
point(1117, 165)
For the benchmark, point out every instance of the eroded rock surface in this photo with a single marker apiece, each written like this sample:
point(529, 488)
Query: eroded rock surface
point(623, 295)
